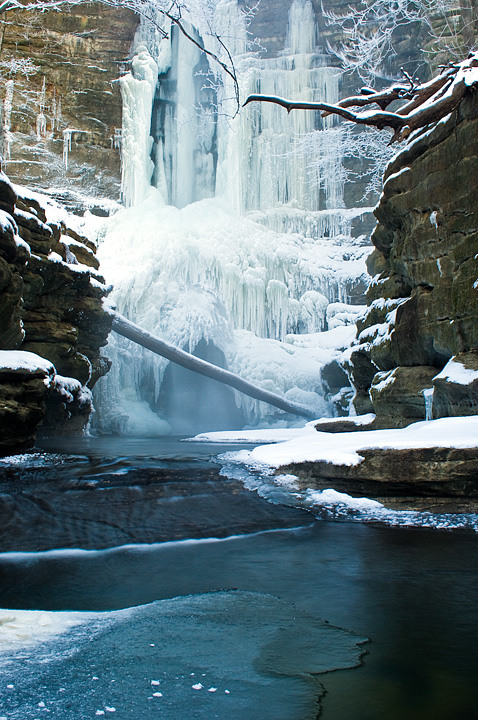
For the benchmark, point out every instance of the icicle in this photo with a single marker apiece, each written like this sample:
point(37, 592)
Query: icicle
point(58, 113)
point(137, 90)
point(67, 145)
point(42, 98)
point(53, 111)
point(117, 139)
point(428, 396)
point(7, 118)
point(41, 126)
point(41, 119)
point(301, 31)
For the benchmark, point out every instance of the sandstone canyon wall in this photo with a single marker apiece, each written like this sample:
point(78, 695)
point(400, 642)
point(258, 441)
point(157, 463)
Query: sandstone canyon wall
point(52, 318)
point(61, 102)
point(417, 346)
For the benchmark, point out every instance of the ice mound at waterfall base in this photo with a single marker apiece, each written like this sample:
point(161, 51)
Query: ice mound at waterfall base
point(206, 274)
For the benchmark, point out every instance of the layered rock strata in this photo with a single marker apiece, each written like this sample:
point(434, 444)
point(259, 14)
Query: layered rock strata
point(61, 102)
point(423, 300)
point(391, 474)
point(51, 309)
point(25, 382)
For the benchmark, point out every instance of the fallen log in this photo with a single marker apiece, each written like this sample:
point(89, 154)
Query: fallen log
point(133, 332)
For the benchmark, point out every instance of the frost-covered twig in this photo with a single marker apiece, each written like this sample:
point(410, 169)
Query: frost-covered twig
point(369, 28)
point(24, 66)
point(369, 144)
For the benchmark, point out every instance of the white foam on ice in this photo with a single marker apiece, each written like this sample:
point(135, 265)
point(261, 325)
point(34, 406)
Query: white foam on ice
point(20, 629)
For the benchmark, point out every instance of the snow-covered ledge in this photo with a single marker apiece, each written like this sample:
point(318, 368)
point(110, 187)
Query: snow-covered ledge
point(431, 459)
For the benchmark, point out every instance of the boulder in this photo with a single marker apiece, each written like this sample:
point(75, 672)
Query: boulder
point(25, 381)
point(398, 395)
point(68, 409)
point(391, 473)
point(455, 389)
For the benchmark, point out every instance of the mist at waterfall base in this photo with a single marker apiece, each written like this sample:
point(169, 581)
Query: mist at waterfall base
point(230, 247)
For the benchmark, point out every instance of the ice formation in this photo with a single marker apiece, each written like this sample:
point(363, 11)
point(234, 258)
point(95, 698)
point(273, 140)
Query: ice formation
point(227, 247)
point(7, 118)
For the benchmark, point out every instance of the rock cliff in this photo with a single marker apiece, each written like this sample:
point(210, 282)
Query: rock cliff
point(61, 131)
point(52, 323)
point(417, 348)
point(61, 102)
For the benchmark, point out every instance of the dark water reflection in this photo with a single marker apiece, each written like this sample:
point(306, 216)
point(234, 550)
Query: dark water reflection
point(413, 592)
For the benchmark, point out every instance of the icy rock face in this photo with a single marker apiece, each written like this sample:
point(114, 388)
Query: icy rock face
point(12, 260)
point(59, 85)
point(395, 474)
point(236, 248)
point(51, 308)
point(423, 301)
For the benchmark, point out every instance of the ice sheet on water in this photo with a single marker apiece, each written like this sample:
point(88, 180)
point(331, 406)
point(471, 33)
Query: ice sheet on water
point(226, 654)
point(333, 505)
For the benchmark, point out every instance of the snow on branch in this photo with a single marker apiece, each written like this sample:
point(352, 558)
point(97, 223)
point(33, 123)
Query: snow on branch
point(427, 103)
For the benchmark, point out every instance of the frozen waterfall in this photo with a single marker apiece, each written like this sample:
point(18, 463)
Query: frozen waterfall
point(228, 247)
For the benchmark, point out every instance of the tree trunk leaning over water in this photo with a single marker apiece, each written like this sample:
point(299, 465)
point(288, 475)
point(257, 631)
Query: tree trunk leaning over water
point(133, 332)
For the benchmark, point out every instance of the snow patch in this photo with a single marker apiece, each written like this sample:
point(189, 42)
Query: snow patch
point(384, 380)
point(67, 387)
point(21, 360)
point(455, 372)
point(345, 448)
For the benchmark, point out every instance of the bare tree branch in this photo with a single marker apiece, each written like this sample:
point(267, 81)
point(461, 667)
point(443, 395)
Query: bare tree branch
point(378, 119)
point(430, 102)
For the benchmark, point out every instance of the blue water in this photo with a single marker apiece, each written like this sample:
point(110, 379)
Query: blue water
point(203, 587)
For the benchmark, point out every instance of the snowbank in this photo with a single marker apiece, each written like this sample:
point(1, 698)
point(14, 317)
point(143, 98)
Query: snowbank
point(305, 444)
point(455, 372)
